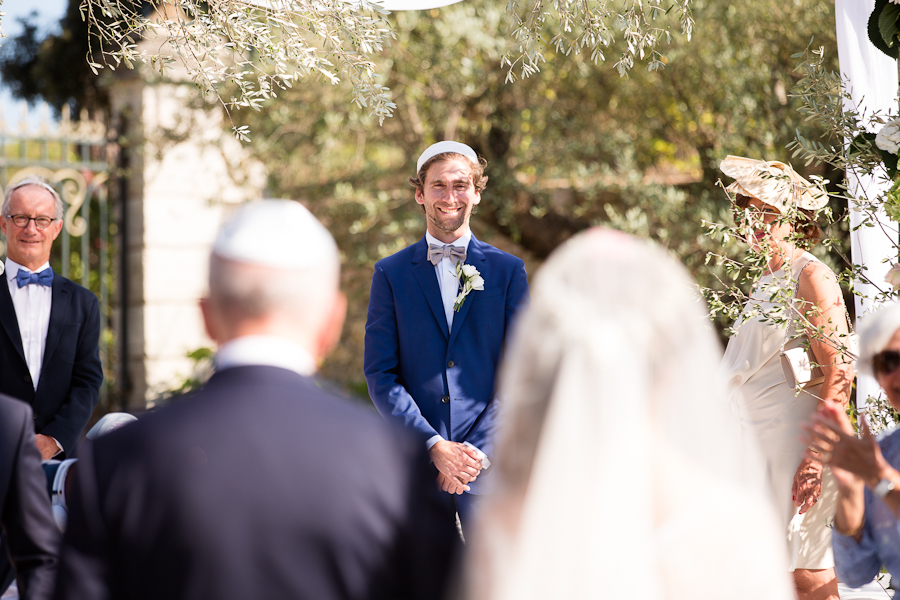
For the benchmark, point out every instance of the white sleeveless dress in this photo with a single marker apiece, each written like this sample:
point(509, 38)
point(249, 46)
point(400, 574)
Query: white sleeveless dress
point(771, 413)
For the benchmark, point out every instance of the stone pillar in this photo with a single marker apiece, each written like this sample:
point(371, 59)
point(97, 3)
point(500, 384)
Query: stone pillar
point(185, 173)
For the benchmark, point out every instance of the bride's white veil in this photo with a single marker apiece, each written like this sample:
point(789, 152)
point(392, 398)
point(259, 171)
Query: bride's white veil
point(618, 458)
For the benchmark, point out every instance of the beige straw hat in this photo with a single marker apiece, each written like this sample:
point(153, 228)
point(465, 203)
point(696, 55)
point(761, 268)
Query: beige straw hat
point(772, 182)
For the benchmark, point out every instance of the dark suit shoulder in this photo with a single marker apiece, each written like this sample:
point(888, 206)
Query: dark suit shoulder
point(264, 399)
point(505, 258)
point(77, 290)
point(354, 420)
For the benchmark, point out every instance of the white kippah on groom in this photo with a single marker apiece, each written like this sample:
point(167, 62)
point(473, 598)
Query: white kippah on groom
point(446, 147)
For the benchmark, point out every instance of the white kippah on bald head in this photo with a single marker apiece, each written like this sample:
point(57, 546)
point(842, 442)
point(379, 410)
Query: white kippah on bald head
point(281, 234)
point(443, 148)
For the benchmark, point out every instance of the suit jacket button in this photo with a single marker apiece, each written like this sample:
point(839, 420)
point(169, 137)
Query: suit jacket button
point(451, 364)
point(28, 378)
point(445, 399)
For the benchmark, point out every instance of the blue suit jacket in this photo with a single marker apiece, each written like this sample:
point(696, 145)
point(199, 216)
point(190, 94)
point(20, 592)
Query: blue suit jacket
point(71, 373)
point(433, 379)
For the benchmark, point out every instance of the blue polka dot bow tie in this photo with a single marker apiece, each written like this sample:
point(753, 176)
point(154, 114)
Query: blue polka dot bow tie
point(45, 277)
point(436, 253)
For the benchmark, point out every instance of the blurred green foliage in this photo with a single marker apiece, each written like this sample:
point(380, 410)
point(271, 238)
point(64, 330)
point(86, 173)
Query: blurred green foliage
point(573, 146)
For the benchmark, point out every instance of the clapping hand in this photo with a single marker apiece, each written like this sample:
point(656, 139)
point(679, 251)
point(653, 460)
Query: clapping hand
point(831, 440)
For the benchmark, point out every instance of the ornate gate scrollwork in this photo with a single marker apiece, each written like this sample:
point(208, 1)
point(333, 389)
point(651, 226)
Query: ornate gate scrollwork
point(72, 187)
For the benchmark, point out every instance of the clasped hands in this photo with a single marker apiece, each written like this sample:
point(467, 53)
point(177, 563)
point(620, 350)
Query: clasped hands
point(457, 465)
point(46, 445)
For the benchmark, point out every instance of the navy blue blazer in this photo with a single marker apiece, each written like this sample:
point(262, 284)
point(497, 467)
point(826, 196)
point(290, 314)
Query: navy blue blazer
point(71, 372)
point(30, 532)
point(433, 379)
point(261, 485)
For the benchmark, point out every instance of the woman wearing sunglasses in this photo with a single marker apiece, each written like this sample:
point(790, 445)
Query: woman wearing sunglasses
point(797, 303)
point(866, 529)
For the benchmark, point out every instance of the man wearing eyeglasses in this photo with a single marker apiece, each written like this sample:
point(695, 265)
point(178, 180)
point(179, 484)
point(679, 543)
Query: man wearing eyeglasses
point(49, 325)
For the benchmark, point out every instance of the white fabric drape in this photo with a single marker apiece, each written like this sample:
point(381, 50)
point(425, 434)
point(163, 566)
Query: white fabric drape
point(872, 80)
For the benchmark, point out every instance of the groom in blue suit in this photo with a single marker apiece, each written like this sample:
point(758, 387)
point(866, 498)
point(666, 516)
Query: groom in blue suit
point(431, 349)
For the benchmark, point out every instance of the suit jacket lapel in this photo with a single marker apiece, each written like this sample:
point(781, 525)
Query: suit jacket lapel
point(59, 306)
point(474, 256)
point(8, 317)
point(427, 279)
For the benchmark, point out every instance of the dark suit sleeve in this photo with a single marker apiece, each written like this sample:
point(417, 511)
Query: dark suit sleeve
point(87, 377)
point(382, 361)
point(483, 433)
point(85, 567)
point(31, 533)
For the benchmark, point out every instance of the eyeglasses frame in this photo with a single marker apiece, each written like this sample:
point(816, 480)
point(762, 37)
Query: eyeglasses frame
point(35, 219)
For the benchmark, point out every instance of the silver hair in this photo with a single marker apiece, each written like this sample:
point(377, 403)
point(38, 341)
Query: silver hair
point(37, 180)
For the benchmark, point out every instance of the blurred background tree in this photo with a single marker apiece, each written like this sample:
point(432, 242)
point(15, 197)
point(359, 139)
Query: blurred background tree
point(243, 53)
point(572, 146)
point(53, 68)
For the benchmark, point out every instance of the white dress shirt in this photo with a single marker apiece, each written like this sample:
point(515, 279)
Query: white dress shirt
point(32, 304)
point(449, 286)
point(446, 274)
point(265, 350)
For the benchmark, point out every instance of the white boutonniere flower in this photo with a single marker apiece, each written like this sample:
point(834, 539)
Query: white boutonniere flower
point(893, 276)
point(469, 279)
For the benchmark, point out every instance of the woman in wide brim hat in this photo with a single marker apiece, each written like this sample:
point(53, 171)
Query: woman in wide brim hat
point(775, 208)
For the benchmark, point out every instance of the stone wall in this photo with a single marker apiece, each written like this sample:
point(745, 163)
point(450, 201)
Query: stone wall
point(185, 173)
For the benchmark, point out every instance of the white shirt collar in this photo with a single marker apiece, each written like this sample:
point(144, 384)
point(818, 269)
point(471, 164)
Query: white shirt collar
point(12, 268)
point(462, 242)
point(265, 350)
